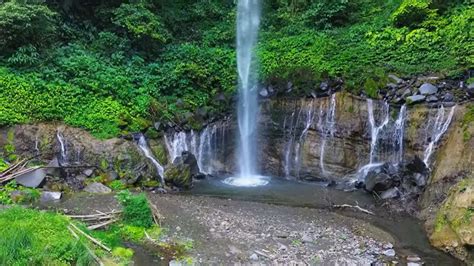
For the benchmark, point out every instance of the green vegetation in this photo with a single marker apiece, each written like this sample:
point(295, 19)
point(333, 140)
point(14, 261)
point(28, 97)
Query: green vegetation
point(136, 211)
point(31, 237)
point(13, 193)
point(118, 66)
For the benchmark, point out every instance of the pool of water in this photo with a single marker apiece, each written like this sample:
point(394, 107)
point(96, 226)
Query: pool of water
point(407, 231)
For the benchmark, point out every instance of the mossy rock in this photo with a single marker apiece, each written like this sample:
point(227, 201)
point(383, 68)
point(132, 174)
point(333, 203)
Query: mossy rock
point(454, 225)
point(179, 175)
point(159, 151)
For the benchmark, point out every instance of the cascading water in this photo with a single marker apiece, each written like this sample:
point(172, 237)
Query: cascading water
point(326, 128)
point(248, 22)
point(291, 125)
point(62, 144)
point(400, 132)
point(142, 144)
point(374, 129)
point(393, 131)
point(440, 126)
point(204, 145)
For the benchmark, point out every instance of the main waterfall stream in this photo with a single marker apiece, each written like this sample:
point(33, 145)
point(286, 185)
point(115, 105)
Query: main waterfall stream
point(248, 22)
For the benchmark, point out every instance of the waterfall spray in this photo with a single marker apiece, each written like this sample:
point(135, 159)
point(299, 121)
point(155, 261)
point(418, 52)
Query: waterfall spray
point(248, 22)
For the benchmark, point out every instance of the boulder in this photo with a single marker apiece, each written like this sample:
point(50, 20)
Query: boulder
point(324, 86)
point(416, 98)
point(428, 89)
point(432, 99)
point(189, 159)
point(112, 175)
point(395, 79)
point(88, 172)
point(48, 196)
point(263, 92)
point(179, 175)
point(390, 194)
point(416, 165)
point(32, 179)
point(378, 182)
point(97, 188)
point(448, 97)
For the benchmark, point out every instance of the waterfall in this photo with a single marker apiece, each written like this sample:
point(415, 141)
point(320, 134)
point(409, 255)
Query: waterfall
point(176, 145)
point(400, 132)
point(37, 145)
point(308, 122)
point(62, 144)
point(389, 134)
point(440, 126)
point(148, 154)
point(289, 144)
point(203, 145)
point(326, 128)
point(374, 129)
point(248, 21)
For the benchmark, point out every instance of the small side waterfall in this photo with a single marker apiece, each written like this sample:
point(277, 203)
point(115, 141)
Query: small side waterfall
point(386, 138)
point(142, 144)
point(62, 144)
point(326, 128)
point(374, 129)
point(301, 119)
point(207, 146)
point(439, 127)
point(400, 132)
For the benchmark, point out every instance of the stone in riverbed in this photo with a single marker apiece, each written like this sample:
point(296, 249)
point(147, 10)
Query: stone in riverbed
point(390, 194)
point(378, 182)
point(416, 98)
point(448, 97)
point(389, 253)
point(432, 99)
point(428, 89)
point(48, 196)
point(254, 257)
point(97, 188)
point(88, 172)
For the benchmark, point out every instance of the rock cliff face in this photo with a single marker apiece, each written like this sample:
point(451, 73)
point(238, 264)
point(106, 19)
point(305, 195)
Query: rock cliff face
point(328, 138)
point(78, 149)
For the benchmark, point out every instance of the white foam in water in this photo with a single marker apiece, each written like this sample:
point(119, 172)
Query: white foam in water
point(247, 181)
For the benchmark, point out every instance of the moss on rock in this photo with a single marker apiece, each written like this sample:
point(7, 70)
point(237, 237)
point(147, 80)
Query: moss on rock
point(454, 224)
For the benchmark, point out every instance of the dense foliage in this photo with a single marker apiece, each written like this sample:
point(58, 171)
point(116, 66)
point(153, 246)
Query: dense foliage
point(31, 237)
point(118, 66)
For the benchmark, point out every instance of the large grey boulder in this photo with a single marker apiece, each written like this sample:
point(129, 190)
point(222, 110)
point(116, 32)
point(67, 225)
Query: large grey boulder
point(97, 188)
point(428, 89)
point(32, 179)
point(415, 98)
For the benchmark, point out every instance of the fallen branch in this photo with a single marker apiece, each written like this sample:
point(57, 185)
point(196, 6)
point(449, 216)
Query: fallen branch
point(97, 226)
point(95, 241)
point(88, 249)
point(354, 207)
point(263, 254)
point(157, 217)
point(94, 215)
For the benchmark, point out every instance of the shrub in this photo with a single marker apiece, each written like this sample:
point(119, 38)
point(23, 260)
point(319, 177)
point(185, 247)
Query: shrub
point(140, 22)
point(412, 12)
point(22, 24)
point(136, 211)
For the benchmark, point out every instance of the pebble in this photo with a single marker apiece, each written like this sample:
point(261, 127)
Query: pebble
point(254, 257)
point(389, 253)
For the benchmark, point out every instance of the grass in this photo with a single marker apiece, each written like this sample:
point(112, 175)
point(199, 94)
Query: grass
point(31, 237)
